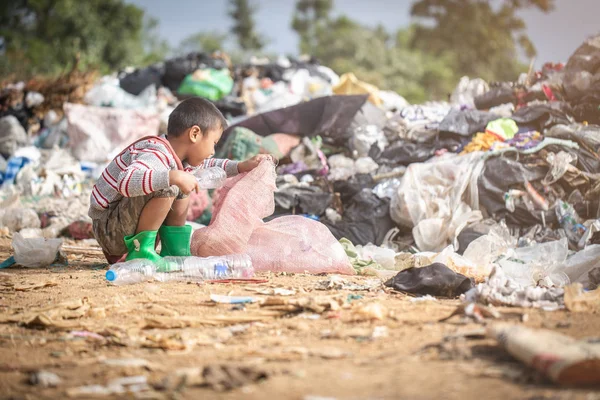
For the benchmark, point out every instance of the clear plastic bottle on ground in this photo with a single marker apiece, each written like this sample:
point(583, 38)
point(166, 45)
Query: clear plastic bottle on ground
point(210, 178)
point(184, 269)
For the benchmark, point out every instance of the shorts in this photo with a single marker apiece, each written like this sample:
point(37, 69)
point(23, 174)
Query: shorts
point(121, 219)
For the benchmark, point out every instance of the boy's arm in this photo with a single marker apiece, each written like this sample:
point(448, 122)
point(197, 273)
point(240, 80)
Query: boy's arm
point(147, 173)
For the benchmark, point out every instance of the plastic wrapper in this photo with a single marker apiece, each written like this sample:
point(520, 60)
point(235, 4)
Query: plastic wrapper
point(570, 221)
point(501, 290)
point(366, 136)
point(35, 252)
point(559, 163)
point(484, 250)
point(539, 264)
point(561, 358)
point(290, 244)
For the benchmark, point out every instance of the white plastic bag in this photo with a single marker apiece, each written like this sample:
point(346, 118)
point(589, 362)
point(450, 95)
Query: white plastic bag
point(381, 255)
point(438, 199)
point(35, 252)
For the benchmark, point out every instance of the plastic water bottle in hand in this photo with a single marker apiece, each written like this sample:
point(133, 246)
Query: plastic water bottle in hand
point(210, 178)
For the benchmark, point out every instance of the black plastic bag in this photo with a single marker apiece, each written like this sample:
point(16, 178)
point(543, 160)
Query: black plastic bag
point(403, 153)
point(582, 72)
point(176, 69)
point(498, 176)
point(366, 219)
point(466, 122)
point(435, 280)
point(588, 138)
point(544, 116)
point(308, 200)
point(495, 96)
point(140, 79)
point(351, 187)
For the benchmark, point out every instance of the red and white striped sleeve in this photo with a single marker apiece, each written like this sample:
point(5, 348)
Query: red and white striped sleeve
point(147, 172)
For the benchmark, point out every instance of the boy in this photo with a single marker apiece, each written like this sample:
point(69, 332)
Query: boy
point(144, 190)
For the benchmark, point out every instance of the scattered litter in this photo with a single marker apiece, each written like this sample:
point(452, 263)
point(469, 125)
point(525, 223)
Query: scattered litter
point(371, 311)
point(561, 358)
point(473, 310)
point(336, 282)
point(232, 299)
point(44, 379)
point(120, 386)
point(578, 300)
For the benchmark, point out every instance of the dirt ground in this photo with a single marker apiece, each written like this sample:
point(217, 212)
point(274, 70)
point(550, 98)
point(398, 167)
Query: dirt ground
point(175, 337)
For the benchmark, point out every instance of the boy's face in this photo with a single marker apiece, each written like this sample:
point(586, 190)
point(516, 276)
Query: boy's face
point(203, 146)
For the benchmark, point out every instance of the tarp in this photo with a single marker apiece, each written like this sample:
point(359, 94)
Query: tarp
point(328, 117)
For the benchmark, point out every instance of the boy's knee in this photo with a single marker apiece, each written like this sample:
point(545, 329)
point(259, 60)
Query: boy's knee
point(172, 191)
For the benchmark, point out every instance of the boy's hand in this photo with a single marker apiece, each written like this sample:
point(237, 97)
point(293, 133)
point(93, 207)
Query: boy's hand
point(185, 181)
point(249, 165)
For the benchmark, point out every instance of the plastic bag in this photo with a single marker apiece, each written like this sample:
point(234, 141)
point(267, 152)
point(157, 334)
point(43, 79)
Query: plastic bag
point(438, 198)
point(290, 244)
point(107, 93)
point(578, 266)
point(381, 255)
point(16, 219)
point(210, 83)
point(366, 136)
point(484, 250)
point(12, 135)
point(538, 264)
point(466, 91)
point(559, 163)
point(35, 252)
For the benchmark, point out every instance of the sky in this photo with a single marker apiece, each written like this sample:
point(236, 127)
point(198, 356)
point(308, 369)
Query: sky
point(555, 35)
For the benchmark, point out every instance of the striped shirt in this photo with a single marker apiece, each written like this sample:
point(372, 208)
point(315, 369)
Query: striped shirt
point(141, 169)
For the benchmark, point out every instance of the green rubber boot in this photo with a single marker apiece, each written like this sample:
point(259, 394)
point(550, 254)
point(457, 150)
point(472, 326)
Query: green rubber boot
point(143, 245)
point(175, 240)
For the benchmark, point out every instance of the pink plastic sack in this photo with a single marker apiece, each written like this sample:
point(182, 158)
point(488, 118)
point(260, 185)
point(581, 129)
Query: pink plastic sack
point(290, 244)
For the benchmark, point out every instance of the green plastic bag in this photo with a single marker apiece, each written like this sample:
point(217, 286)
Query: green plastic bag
point(212, 84)
point(504, 128)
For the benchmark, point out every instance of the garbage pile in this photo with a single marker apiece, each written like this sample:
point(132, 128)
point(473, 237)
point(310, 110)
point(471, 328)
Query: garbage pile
point(499, 186)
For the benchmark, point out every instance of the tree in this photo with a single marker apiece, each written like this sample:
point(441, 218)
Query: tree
point(244, 26)
point(208, 42)
point(377, 57)
point(310, 18)
point(44, 36)
point(483, 37)
point(155, 47)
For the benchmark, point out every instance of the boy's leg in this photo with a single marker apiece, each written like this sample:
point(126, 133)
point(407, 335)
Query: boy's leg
point(178, 214)
point(154, 214)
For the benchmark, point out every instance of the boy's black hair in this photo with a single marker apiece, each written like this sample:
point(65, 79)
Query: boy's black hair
point(195, 111)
